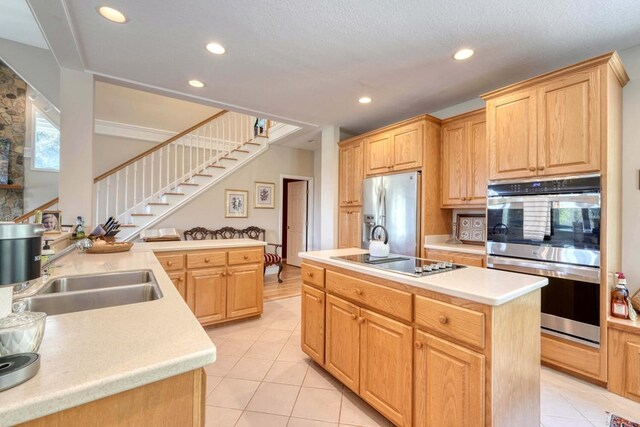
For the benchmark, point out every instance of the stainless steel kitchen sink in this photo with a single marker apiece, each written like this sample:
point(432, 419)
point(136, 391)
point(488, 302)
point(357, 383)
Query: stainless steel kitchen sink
point(68, 302)
point(89, 292)
point(98, 281)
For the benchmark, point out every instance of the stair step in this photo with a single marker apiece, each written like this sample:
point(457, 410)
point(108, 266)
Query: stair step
point(173, 194)
point(229, 158)
point(251, 143)
point(157, 204)
point(216, 166)
point(203, 174)
point(190, 183)
point(261, 136)
point(240, 151)
point(144, 214)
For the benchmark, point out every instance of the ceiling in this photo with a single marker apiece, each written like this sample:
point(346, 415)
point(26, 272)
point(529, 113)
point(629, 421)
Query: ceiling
point(308, 62)
point(17, 24)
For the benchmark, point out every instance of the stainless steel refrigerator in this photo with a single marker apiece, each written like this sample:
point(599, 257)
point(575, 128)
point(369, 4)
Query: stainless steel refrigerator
point(394, 202)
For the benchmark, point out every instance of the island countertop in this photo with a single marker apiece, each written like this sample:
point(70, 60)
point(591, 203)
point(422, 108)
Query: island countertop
point(485, 286)
point(92, 354)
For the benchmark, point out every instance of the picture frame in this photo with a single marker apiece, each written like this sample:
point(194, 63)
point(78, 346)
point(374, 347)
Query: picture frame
point(264, 197)
point(52, 221)
point(472, 228)
point(236, 203)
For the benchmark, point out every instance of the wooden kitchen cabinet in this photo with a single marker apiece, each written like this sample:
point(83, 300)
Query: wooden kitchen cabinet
point(342, 353)
point(207, 290)
point(471, 260)
point(378, 154)
point(179, 281)
point(449, 383)
point(312, 332)
point(244, 290)
point(624, 359)
point(464, 161)
point(349, 227)
point(351, 163)
point(396, 149)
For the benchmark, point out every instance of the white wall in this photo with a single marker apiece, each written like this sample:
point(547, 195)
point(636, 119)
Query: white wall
point(207, 210)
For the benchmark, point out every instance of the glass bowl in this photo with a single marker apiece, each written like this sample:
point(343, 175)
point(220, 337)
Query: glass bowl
point(21, 332)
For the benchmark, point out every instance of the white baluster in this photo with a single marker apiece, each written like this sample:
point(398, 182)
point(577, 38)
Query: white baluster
point(190, 155)
point(160, 171)
point(175, 163)
point(115, 215)
point(106, 205)
point(126, 189)
point(144, 177)
point(135, 182)
point(97, 215)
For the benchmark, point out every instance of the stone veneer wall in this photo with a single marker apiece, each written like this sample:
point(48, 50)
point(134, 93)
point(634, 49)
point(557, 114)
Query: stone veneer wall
point(13, 91)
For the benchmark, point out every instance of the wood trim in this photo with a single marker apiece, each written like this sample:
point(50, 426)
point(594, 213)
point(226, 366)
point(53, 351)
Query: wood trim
point(465, 116)
point(391, 127)
point(39, 208)
point(624, 325)
point(11, 187)
point(158, 147)
point(611, 57)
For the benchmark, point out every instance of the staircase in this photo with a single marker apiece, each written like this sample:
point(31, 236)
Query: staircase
point(145, 189)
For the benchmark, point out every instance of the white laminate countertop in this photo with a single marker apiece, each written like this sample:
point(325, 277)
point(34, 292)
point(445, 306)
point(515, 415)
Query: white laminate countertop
point(460, 247)
point(486, 286)
point(91, 354)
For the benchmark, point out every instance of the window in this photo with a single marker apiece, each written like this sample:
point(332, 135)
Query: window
point(46, 143)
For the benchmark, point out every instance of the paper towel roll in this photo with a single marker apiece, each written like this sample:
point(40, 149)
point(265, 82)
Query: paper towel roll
point(6, 300)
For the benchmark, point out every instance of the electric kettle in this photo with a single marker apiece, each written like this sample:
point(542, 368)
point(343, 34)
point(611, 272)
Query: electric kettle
point(378, 248)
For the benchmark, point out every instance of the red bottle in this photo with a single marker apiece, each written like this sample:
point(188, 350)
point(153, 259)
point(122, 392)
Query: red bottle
point(619, 307)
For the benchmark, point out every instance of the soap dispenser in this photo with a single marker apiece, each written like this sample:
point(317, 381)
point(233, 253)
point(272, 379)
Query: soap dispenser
point(46, 253)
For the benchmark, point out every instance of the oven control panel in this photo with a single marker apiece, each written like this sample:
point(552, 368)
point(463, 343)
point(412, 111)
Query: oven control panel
point(588, 184)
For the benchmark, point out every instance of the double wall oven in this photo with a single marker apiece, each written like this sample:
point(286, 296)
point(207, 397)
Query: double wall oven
point(551, 228)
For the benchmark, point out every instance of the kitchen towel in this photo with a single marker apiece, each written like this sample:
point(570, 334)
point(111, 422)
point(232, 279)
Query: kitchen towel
point(536, 221)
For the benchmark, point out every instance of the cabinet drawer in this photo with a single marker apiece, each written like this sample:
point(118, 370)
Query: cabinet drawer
point(470, 260)
point(171, 262)
point(456, 322)
point(245, 256)
point(206, 259)
point(392, 301)
point(313, 275)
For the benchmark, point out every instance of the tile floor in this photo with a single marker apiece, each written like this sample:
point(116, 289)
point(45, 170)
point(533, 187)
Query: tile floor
point(262, 378)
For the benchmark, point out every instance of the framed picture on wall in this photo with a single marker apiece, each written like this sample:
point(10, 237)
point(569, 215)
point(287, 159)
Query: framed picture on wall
point(236, 203)
point(265, 195)
point(51, 221)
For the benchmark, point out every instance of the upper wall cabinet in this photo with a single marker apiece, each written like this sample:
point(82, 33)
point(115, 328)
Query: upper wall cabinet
point(394, 150)
point(553, 124)
point(350, 178)
point(464, 161)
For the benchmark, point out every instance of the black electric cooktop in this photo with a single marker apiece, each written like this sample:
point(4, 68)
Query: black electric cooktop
point(410, 266)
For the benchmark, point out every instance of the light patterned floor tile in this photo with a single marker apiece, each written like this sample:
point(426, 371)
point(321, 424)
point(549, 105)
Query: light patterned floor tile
point(552, 403)
point(274, 399)
point(283, 372)
point(317, 377)
point(264, 350)
point(285, 324)
point(221, 417)
point(233, 393)
point(233, 347)
point(548, 421)
point(318, 404)
point(301, 422)
point(250, 369)
point(356, 411)
point(292, 353)
point(275, 335)
point(258, 419)
point(212, 382)
point(221, 366)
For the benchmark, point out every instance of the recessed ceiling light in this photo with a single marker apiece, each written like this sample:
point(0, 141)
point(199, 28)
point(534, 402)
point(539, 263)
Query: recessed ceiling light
point(216, 48)
point(196, 83)
point(463, 54)
point(112, 14)
point(364, 100)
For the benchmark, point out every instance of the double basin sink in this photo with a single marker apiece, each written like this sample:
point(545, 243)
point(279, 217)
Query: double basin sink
point(90, 292)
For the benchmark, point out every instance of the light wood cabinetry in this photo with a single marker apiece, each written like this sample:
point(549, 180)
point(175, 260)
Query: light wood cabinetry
point(422, 358)
point(218, 285)
point(378, 154)
point(464, 161)
point(624, 359)
point(449, 383)
point(351, 174)
point(349, 227)
point(471, 260)
point(394, 150)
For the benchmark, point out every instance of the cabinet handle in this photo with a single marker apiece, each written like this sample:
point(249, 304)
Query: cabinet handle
point(540, 168)
point(169, 263)
point(229, 274)
point(532, 168)
point(443, 319)
point(417, 345)
point(310, 274)
point(180, 279)
point(353, 316)
point(246, 257)
point(224, 273)
point(320, 300)
point(207, 259)
point(360, 320)
point(358, 291)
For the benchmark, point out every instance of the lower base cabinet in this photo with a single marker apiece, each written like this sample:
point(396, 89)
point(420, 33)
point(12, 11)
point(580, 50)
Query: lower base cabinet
point(342, 354)
point(207, 291)
point(449, 383)
point(244, 290)
point(312, 333)
point(179, 282)
point(471, 260)
point(624, 362)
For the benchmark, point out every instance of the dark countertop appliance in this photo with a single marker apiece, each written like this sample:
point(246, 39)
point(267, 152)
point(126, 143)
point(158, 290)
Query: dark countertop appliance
point(410, 266)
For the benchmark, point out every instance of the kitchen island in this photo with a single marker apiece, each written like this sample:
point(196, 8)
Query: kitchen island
point(460, 347)
point(136, 364)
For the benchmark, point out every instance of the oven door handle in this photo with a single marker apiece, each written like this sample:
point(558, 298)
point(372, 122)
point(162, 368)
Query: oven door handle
point(586, 199)
point(548, 269)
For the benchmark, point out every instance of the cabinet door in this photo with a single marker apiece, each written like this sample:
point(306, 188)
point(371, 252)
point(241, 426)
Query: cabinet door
point(512, 133)
point(357, 173)
point(632, 367)
point(342, 352)
point(343, 228)
point(569, 125)
point(244, 290)
point(354, 227)
point(477, 170)
point(378, 156)
point(345, 180)
point(449, 383)
point(407, 146)
point(178, 279)
point(207, 290)
point(385, 366)
point(454, 168)
point(313, 323)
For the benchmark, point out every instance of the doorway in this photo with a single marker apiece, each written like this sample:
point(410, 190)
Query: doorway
point(295, 218)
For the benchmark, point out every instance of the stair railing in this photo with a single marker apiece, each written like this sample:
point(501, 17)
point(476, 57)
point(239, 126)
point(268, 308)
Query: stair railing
point(27, 217)
point(147, 177)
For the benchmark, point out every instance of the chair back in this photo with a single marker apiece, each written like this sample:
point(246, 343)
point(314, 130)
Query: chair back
point(198, 233)
point(255, 233)
point(227, 233)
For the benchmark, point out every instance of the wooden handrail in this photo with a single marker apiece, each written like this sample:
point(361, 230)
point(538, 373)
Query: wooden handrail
point(39, 208)
point(159, 146)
